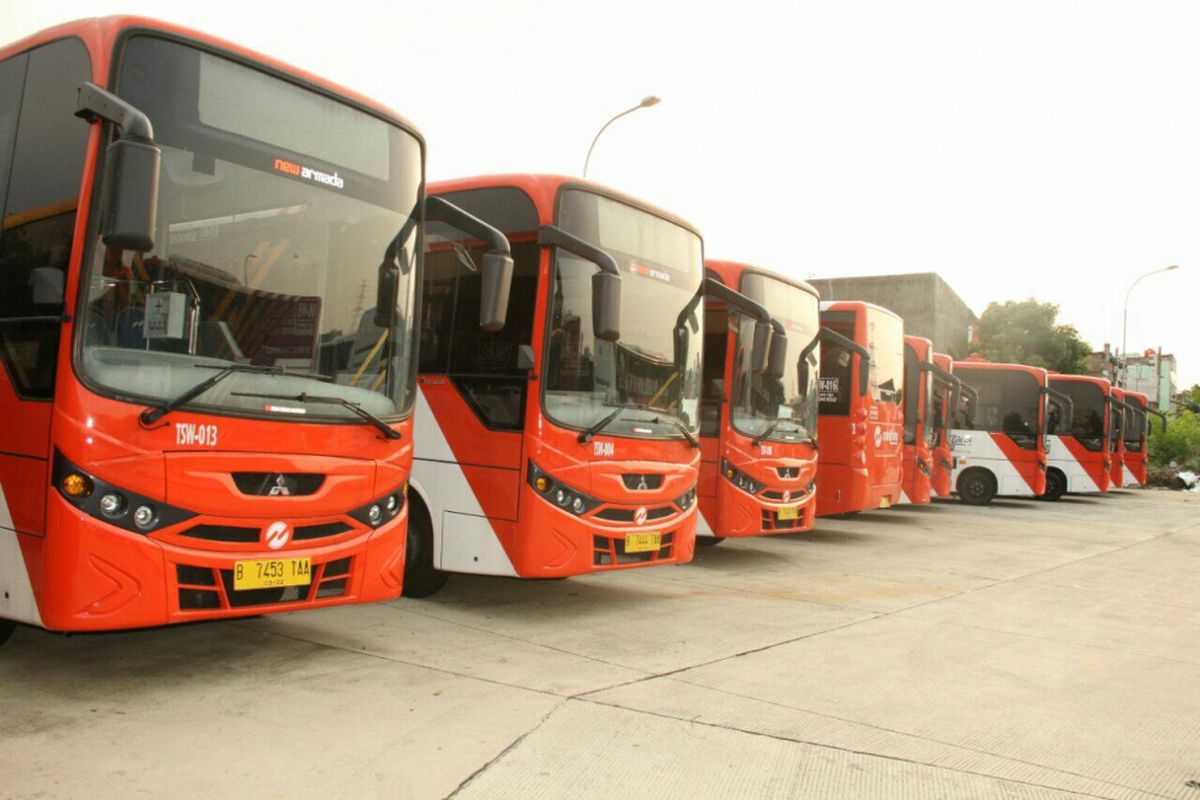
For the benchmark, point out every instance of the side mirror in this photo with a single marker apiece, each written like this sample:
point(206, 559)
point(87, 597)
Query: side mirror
point(777, 355)
point(681, 348)
point(129, 207)
point(385, 294)
point(496, 274)
point(606, 306)
point(760, 347)
point(864, 374)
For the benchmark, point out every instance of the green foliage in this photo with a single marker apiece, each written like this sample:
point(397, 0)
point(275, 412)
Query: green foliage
point(1024, 332)
point(1181, 442)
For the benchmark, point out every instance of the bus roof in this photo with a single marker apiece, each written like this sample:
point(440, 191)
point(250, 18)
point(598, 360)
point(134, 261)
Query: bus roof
point(1038, 372)
point(544, 189)
point(730, 273)
point(856, 305)
point(99, 34)
point(1103, 383)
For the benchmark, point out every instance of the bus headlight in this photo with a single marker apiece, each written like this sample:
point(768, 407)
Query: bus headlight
point(685, 500)
point(740, 479)
point(559, 493)
point(382, 510)
point(111, 504)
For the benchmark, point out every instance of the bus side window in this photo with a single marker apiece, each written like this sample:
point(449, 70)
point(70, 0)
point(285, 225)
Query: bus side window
point(42, 146)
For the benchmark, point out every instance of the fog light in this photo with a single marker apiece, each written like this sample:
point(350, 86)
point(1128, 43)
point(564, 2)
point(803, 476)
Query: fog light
point(75, 484)
point(143, 517)
point(112, 504)
point(375, 514)
point(541, 483)
point(577, 506)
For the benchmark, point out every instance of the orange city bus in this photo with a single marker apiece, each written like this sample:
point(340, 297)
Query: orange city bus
point(204, 416)
point(860, 408)
point(921, 426)
point(999, 436)
point(948, 393)
point(1116, 437)
point(1133, 437)
point(564, 443)
point(758, 421)
point(1077, 455)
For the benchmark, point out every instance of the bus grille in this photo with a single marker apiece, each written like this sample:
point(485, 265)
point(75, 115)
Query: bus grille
point(773, 524)
point(642, 481)
point(626, 514)
point(199, 590)
point(236, 534)
point(609, 551)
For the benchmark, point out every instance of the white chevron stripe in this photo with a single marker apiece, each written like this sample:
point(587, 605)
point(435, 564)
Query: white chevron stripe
point(16, 594)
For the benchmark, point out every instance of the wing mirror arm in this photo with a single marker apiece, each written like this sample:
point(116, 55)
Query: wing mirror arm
point(497, 269)
point(606, 283)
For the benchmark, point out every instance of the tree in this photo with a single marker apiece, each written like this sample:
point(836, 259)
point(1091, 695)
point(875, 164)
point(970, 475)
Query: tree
point(1025, 332)
point(1179, 444)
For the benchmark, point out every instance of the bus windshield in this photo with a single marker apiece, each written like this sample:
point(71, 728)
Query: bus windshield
point(789, 403)
point(885, 339)
point(276, 206)
point(1009, 402)
point(661, 266)
point(1087, 424)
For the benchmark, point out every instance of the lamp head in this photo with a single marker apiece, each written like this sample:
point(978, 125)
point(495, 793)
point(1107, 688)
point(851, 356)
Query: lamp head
point(650, 100)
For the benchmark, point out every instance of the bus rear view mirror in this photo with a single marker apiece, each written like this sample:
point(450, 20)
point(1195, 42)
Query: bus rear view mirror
point(606, 306)
point(760, 347)
point(864, 374)
point(388, 284)
point(777, 355)
point(496, 274)
point(129, 204)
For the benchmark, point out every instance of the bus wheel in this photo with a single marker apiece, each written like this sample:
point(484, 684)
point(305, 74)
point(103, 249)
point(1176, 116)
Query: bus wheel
point(709, 541)
point(6, 629)
point(977, 487)
point(1056, 485)
point(421, 578)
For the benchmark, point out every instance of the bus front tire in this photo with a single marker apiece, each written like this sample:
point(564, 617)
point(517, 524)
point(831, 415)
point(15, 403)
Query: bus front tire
point(977, 487)
point(709, 541)
point(1056, 485)
point(421, 578)
point(7, 627)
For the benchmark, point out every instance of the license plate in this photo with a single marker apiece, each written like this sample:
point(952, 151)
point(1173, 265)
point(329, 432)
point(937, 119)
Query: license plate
point(789, 512)
point(886, 502)
point(272, 572)
point(641, 542)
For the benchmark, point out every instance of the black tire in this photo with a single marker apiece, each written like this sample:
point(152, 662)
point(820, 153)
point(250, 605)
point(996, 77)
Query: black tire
point(6, 629)
point(1056, 485)
point(977, 487)
point(421, 578)
point(709, 541)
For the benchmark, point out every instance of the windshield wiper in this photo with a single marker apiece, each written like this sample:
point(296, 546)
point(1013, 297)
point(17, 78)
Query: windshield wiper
point(679, 426)
point(355, 408)
point(664, 416)
point(758, 440)
point(155, 413)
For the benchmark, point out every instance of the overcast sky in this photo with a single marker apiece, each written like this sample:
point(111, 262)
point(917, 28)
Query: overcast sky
point(1044, 149)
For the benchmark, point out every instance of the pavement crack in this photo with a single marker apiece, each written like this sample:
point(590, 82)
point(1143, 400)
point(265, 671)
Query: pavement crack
point(511, 746)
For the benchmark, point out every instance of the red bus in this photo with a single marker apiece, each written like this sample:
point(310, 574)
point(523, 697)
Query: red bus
point(1116, 438)
point(758, 463)
point(1133, 438)
point(947, 393)
point(921, 425)
point(860, 408)
point(1077, 457)
point(566, 442)
point(999, 434)
point(204, 416)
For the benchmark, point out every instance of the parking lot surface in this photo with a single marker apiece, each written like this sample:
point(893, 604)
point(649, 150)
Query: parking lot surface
point(1023, 650)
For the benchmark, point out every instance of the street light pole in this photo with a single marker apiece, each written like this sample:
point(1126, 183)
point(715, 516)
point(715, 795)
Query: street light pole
point(1125, 321)
point(651, 100)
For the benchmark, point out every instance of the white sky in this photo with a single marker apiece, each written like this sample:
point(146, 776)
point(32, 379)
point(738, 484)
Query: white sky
point(1047, 149)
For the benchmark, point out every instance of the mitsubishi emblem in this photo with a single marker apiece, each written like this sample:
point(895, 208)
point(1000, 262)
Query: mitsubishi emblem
point(642, 483)
point(280, 487)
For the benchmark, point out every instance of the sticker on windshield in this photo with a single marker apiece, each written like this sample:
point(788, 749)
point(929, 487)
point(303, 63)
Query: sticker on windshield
point(284, 409)
point(649, 272)
point(308, 173)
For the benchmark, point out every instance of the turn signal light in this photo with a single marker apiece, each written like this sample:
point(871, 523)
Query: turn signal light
point(541, 483)
point(76, 485)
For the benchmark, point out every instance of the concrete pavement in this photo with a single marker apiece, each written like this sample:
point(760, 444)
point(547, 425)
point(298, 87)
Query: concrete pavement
point(1021, 650)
